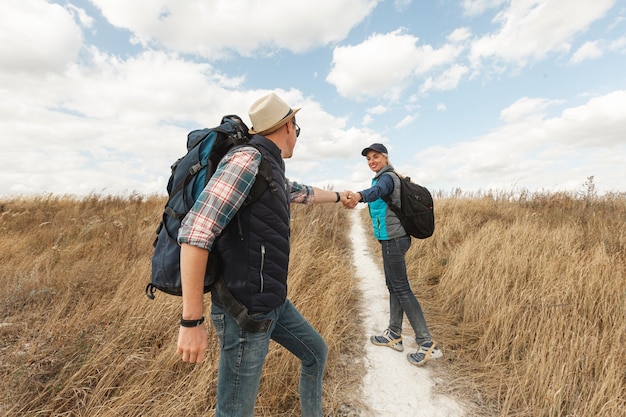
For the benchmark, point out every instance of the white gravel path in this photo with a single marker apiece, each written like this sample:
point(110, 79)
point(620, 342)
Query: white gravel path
point(392, 386)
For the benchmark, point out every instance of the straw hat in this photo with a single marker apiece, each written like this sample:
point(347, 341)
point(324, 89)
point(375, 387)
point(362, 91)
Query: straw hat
point(269, 113)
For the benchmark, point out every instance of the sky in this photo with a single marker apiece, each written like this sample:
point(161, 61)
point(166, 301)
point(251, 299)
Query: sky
point(97, 96)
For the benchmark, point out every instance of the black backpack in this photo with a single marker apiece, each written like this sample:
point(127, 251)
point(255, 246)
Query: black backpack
point(189, 175)
point(416, 212)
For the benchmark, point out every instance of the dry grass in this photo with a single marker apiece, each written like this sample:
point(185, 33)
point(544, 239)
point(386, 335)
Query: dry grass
point(527, 295)
point(79, 338)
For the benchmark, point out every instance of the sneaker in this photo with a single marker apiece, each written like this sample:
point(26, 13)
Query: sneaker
point(426, 352)
point(388, 338)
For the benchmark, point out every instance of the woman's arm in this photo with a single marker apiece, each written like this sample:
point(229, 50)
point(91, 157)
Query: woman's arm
point(383, 187)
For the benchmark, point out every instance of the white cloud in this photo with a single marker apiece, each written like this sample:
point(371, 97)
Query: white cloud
point(81, 15)
point(601, 122)
point(618, 19)
point(392, 60)
point(380, 109)
point(459, 35)
point(589, 50)
point(110, 124)
point(388, 68)
point(324, 136)
point(529, 31)
point(214, 29)
point(618, 45)
point(535, 152)
point(36, 37)
point(401, 5)
point(174, 90)
point(376, 111)
point(447, 80)
point(113, 125)
point(477, 7)
point(406, 120)
point(526, 109)
point(107, 122)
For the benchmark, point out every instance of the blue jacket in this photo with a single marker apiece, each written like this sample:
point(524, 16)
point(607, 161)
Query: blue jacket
point(254, 247)
point(384, 221)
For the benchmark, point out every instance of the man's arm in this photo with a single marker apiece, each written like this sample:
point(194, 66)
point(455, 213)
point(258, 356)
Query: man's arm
point(326, 196)
point(213, 210)
point(192, 341)
point(306, 194)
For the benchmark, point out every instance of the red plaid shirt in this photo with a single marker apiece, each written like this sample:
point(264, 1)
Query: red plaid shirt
point(224, 195)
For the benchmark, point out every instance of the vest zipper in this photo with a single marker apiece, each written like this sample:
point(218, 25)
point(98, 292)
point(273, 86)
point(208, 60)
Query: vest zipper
point(262, 265)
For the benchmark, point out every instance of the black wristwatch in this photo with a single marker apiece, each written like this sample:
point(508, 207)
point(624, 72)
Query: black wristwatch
point(191, 323)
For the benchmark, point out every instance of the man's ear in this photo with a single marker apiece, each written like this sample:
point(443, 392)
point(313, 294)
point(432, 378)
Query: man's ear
point(289, 126)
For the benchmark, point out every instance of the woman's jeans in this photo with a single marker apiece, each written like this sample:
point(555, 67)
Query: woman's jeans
point(401, 298)
point(242, 356)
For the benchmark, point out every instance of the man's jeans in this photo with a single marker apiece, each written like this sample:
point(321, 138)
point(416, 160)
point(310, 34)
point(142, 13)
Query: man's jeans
point(401, 298)
point(242, 356)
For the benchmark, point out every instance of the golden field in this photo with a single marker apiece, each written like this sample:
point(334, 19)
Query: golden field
point(526, 296)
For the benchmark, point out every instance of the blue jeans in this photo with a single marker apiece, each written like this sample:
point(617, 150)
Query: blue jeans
point(401, 298)
point(242, 355)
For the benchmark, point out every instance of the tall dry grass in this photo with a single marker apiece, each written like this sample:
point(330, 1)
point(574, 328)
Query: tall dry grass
point(527, 296)
point(79, 338)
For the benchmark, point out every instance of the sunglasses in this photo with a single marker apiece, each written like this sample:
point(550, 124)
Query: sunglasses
point(296, 126)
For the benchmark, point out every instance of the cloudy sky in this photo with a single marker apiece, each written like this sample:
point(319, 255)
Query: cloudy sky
point(97, 96)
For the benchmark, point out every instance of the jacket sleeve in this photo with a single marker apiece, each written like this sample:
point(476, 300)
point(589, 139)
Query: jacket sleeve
point(300, 193)
point(382, 187)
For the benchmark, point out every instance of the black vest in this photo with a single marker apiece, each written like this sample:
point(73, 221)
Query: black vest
point(254, 247)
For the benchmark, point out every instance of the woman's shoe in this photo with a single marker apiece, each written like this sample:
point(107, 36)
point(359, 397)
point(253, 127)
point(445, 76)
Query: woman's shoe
point(426, 352)
point(388, 338)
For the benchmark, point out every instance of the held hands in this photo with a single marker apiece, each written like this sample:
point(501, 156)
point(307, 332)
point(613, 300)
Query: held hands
point(343, 197)
point(350, 199)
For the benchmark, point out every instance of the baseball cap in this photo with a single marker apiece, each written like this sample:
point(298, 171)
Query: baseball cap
point(376, 147)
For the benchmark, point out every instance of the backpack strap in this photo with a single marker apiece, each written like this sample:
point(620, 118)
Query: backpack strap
point(232, 305)
point(387, 198)
point(265, 175)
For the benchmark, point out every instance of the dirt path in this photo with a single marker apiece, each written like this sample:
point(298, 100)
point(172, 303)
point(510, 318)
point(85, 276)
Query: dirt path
point(392, 386)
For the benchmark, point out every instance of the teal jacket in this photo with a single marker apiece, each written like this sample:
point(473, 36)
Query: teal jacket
point(385, 223)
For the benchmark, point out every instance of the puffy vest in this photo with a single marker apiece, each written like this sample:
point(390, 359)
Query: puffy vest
point(385, 223)
point(254, 247)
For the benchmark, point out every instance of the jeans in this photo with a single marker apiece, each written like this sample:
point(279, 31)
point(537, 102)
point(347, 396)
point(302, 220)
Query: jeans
point(242, 355)
point(401, 298)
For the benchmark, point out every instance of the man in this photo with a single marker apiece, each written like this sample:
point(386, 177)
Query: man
point(253, 248)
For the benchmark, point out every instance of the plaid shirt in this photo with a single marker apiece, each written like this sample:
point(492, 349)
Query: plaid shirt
point(224, 195)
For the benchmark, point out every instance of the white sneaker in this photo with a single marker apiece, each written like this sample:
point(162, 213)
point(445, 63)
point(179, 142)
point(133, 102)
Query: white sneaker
point(426, 352)
point(388, 338)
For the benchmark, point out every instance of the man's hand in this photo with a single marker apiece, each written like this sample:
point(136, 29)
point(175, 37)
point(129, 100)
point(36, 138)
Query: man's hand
point(343, 197)
point(192, 343)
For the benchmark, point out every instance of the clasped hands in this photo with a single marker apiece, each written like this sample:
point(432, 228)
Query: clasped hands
point(350, 199)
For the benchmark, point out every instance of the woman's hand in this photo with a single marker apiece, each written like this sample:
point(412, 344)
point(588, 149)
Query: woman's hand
point(352, 199)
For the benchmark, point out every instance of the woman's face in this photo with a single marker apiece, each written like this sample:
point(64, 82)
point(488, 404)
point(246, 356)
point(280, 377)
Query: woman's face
point(376, 160)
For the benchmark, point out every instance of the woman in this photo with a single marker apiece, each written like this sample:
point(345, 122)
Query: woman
point(394, 243)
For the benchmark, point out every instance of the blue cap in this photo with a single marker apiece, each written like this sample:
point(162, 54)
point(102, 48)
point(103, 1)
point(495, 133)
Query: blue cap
point(377, 147)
